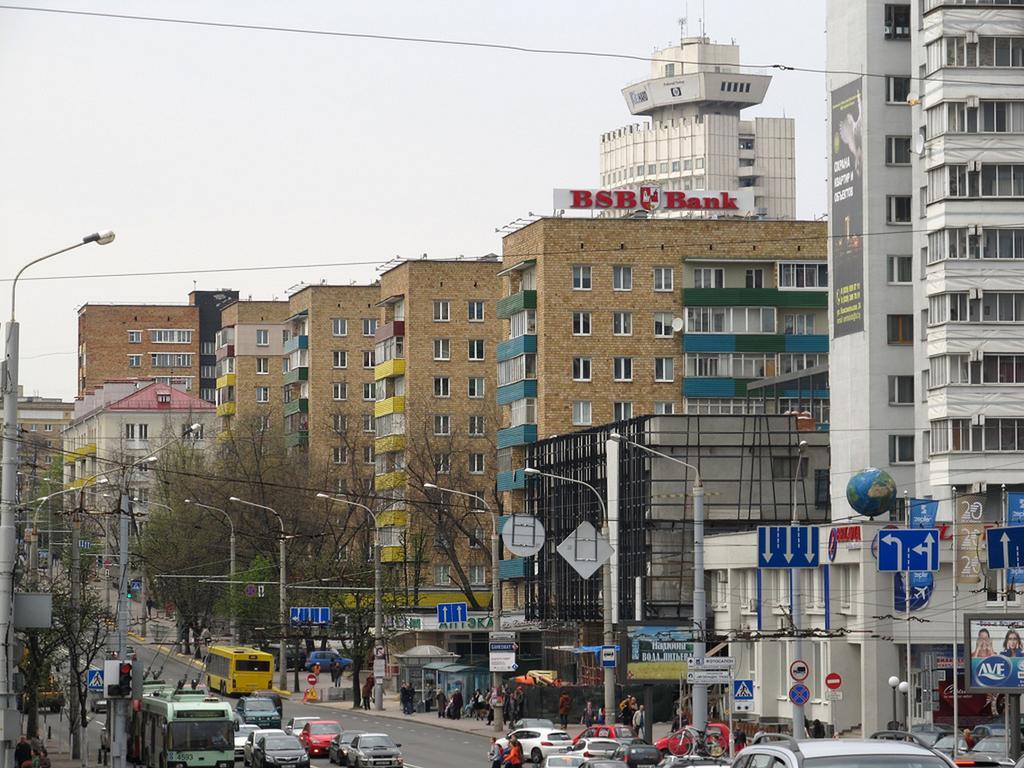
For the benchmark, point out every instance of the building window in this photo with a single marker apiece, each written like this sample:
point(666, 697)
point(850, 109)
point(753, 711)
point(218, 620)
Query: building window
point(339, 454)
point(369, 326)
point(581, 413)
point(901, 390)
point(477, 574)
point(622, 323)
point(800, 324)
point(476, 387)
point(664, 277)
point(136, 431)
point(476, 349)
point(802, 275)
point(369, 391)
point(339, 390)
point(367, 358)
point(901, 269)
point(208, 393)
point(897, 150)
point(664, 407)
point(476, 464)
point(622, 411)
point(900, 329)
point(442, 386)
point(339, 358)
point(898, 209)
point(754, 278)
point(476, 426)
point(208, 371)
point(340, 422)
point(622, 368)
point(262, 394)
point(339, 326)
point(442, 463)
point(442, 311)
point(170, 360)
point(664, 369)
point(475, 311)
point(442, 349)
point(897, 89)
point(663, 325)
point(581, 369)
point(368, 422)
point(368, 454)
point(708, 277)
point(134, 337)
point(442, 575)
point(581, 277)
point(134, 361)
point(170, 336)
point(442, 424)
point(901, 449)
point(262, 337)
point(622, 278)
point(580, 323)
point(897, 21)
point(523, 411)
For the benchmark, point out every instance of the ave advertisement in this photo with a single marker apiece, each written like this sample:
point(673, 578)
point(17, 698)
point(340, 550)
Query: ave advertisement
point(995, 653)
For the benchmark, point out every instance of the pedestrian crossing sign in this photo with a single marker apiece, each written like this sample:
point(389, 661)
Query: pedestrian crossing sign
point(743, 690)
point(94, 679)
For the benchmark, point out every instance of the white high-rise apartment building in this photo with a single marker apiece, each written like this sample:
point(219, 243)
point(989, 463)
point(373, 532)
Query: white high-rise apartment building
point(696, 138)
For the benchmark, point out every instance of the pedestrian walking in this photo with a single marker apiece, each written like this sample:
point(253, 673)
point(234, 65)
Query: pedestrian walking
point(514, 755)
point(639, 720)
point(495, 754)
point(23, 753)
point(367, 691)
point(442, 701)
point(740, 740)
point(456, 704)
point(150, 605)
point(817, 729)
point(564, 705)
point(44, 758)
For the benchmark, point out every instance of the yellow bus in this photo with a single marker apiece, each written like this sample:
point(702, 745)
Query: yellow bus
point(238, 670)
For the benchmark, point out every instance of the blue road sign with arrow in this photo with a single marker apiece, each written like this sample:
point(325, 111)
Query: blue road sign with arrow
point(908, 549)
point(94, 679)
point(787, 546)
point(1006, 547)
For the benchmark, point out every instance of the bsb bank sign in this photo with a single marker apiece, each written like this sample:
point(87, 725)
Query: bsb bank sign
point(652, 199)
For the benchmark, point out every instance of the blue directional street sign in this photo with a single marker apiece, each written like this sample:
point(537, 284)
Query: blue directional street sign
point(799, 694)
point(452, 613)
point(307, 616)
point(908, 549)
point(84, 544)
point(1006, 547)
point(742, 690)
point(787, 546)
point(94, 679)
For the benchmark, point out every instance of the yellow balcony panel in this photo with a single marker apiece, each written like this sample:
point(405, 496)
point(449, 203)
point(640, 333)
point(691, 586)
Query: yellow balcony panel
point(81, 482)
point(389, 444)
point(223, 436)
point(392, 518)
point(226, 409)
point(391, 405)
point(80, 453)
point(389, 480)
point(389, 369)
point(392, 554)
point(433, 599)
point(227, 380)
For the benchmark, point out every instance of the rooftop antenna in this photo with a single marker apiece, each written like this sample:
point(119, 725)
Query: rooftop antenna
point(682, 22)
point(703, 17)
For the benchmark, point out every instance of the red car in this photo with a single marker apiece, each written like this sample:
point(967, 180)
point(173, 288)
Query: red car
point(614, 731)
point(316, 736)
point(678, 743)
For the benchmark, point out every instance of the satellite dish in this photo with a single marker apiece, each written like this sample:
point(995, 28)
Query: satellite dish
point(677, 324)
point(919, 145)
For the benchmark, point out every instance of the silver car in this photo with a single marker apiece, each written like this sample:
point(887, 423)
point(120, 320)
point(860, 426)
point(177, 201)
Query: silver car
point(594, 748)
point(848, 753)
point(250, 742)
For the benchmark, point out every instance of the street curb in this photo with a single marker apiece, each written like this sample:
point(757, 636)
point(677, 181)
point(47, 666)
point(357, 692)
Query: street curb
point(439, 726)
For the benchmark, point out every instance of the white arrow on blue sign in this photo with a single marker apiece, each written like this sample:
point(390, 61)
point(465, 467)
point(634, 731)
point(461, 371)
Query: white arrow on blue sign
point(316, 616)
point(787, 546)
point(908, 549)
point(1006, 547)
point(452, 613)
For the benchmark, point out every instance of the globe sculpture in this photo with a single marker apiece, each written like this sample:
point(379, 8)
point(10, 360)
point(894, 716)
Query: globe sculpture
point(871, 492)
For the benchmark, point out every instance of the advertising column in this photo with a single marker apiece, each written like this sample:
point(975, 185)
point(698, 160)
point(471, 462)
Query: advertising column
point(847, 214)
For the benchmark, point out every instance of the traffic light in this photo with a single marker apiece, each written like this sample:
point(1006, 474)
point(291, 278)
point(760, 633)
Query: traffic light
point(117, 679)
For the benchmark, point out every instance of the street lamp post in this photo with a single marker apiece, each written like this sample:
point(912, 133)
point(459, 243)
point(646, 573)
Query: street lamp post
point(606, 588)
point(378, 608)
point(895, 684)
point(9, 492)
point(231, 525)
point(700, 692)
point(282, 659)
point(499, 714)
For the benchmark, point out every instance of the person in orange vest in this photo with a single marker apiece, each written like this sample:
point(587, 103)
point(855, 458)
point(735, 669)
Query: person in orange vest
point(514, 755)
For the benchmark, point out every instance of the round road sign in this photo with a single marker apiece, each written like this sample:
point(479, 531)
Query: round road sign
point(833, 544)
point(312, 679)
point(833, 681)
point(523, 535)
point(799, 670)
point(799, 694)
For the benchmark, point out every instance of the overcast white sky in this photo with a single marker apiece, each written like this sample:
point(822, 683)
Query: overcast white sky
point(210, 147)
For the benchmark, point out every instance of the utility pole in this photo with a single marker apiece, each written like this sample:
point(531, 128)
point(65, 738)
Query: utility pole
point(796, 577)
point(74, 713)
point(120, 707)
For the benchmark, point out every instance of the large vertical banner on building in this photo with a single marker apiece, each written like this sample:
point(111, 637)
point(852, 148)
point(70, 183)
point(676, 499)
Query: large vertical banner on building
point(847, 215)
point(972, 515)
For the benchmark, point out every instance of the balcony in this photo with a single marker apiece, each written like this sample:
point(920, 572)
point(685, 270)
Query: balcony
point(227, 409)
point(388, 330)
point(228, 350)
point(517, 391)
point(295, 375)
point(296, 439)
point(760, 342)
point(390, 405)
point(392, 554)
point(517, 302)
point(298, 405)
point(755, 297)
point(392, 518)
point(390, 480)
point(514, 480)
point(521, 345)
point(295, 343)
point(389, 444)
point(389, 369)
point(80, 453)
point(227, 380)
point(512, 569)
point(521, 435)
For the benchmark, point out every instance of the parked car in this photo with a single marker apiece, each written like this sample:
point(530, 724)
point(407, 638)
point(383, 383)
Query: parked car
point(338, 751)
point(898, 736)
point(531, 722)
point(242, 731)
point(250, 742)
point(374, 749)
point(316, 736)
point(294, 725)
point(567, 760)
point(991, 748)
point(324, 659)
point(258, 711)
point(604, 763)
point(690, 761)
point(612, 731)
point(588, 748)
point(274, 696)
point(931, 732)
point(98, 705)
point(635, 754)
point(945, 745)
point(538, 743)
point(278, 749)
point(857, 752)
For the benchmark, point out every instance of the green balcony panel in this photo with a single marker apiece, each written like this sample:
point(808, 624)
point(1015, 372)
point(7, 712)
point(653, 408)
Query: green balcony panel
point(517, 302)
point(300, 405)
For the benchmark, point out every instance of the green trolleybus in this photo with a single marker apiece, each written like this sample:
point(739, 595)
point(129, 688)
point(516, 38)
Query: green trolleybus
point(181, 729)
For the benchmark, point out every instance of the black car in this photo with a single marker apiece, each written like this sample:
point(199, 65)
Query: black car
point(376, 750)
point(337, 752)
point(634, 754)
point(602, 762)
point(274, 696)
point(258, 711)
point(276, 750)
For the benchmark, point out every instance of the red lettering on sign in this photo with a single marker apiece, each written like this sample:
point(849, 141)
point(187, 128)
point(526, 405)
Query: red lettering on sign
point(581, 198)
point(625, 198)
point(728, 201)
point(603, 199)
point(675, 199)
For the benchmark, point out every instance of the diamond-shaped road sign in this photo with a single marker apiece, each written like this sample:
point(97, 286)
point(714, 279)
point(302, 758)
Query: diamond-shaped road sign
point(523, 535)
point(586, 550)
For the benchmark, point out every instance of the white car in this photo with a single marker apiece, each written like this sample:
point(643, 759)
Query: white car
point(596, 748)
point(820, 753)
point(568, 760)
point(241, 735)
point(538, 743)
point(294, 726)
point(250, 741)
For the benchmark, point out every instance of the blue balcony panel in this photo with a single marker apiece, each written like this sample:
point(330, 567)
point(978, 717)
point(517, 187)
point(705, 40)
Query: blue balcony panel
point(709, 342)
point(521, 435)
point(517, 391)
point(817, 394)
point(809, 343)
point(512, 569)
point(521, 345)
point(709, 387)
point(511, 481)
